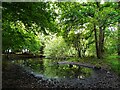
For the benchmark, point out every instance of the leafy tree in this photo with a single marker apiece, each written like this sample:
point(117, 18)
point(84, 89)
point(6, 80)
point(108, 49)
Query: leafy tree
point(29, 13)
point(73, 20)
point(84, 26)
point(97, 17)
point(33, 19)
point(16, 37)
point(105, 17)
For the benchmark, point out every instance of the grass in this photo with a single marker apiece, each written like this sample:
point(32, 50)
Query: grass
point(109, 62)
point(114, 63)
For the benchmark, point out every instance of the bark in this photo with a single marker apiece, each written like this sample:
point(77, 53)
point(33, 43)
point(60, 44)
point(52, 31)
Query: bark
point(79, 52)
point(79, 64)
point(119, 32)
point(119, 38)
point(103, 33)
point(100, 42)
point(96, 42)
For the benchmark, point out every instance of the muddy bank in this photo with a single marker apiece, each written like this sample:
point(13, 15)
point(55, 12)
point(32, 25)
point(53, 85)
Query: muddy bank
point(14, 76)
point(20, 56)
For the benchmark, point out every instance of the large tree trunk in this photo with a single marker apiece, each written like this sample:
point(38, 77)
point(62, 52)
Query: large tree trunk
point(103, 33)
point(119, 38)
point(101, 39)
point(96, 42)
point(102, 43)
point(119, 31)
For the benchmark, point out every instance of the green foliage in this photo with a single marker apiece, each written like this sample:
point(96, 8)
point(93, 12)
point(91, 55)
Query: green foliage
point(72, 22)
point(16, 37)
point(29, 13)
point(114, 63)
point(57, 47)
point(111, 40)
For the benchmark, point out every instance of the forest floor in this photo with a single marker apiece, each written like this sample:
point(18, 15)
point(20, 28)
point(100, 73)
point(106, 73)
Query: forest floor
point(14, 76)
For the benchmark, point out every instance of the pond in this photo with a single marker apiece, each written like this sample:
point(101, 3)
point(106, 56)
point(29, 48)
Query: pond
point(47, 68)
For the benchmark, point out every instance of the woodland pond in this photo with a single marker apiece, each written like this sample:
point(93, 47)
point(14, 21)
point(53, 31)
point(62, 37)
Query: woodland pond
point(79, 32)
point(49, 69)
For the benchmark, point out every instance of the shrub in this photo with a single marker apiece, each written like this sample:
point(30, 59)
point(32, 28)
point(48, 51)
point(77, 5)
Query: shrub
point(57, 47)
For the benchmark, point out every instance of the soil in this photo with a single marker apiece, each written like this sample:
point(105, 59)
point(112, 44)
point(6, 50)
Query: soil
point(14, 76)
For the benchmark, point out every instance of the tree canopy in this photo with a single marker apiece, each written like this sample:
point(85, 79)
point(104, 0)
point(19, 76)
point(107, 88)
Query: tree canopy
point(87, 27)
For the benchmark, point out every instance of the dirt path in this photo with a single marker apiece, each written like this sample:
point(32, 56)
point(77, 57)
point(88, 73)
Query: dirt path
point(16, 77)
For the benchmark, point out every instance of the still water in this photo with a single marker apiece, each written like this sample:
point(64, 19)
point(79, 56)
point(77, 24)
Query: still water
point(49, 69)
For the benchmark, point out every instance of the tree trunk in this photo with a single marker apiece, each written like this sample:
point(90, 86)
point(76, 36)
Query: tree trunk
point(78, 45)
point(79, 52)
point(119, 32)
point(119, 38)
point(100, 41)
point(103, 33)
point(96, 42)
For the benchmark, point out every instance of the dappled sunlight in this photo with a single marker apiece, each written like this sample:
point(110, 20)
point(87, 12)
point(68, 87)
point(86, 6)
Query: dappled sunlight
point(70, 43)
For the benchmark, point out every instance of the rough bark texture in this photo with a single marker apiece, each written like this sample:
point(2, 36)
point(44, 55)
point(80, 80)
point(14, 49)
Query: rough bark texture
point(119, 38)
point(119, 31)
point(96, 42)
point(103, 33)
point(100, 41)
point(99, 44)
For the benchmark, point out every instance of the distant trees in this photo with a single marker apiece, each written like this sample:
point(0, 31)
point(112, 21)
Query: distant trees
point(56, 47)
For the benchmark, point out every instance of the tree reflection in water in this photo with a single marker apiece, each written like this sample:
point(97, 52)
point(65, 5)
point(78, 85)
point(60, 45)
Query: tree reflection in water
point(51, 70)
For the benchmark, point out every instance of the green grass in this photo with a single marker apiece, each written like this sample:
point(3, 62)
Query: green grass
point(109, 62)
point(114, 63)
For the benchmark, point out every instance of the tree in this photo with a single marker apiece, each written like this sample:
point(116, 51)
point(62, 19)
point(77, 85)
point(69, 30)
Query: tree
point(78, 15)
point(16, 37)
point(82, 25)
point(74, 20)
point(30, 12)
point(119, 29)
point(30, 18)
point(107, 17)
point(56, 47)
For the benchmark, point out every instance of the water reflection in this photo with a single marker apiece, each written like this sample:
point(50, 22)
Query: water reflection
point(49, 69)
